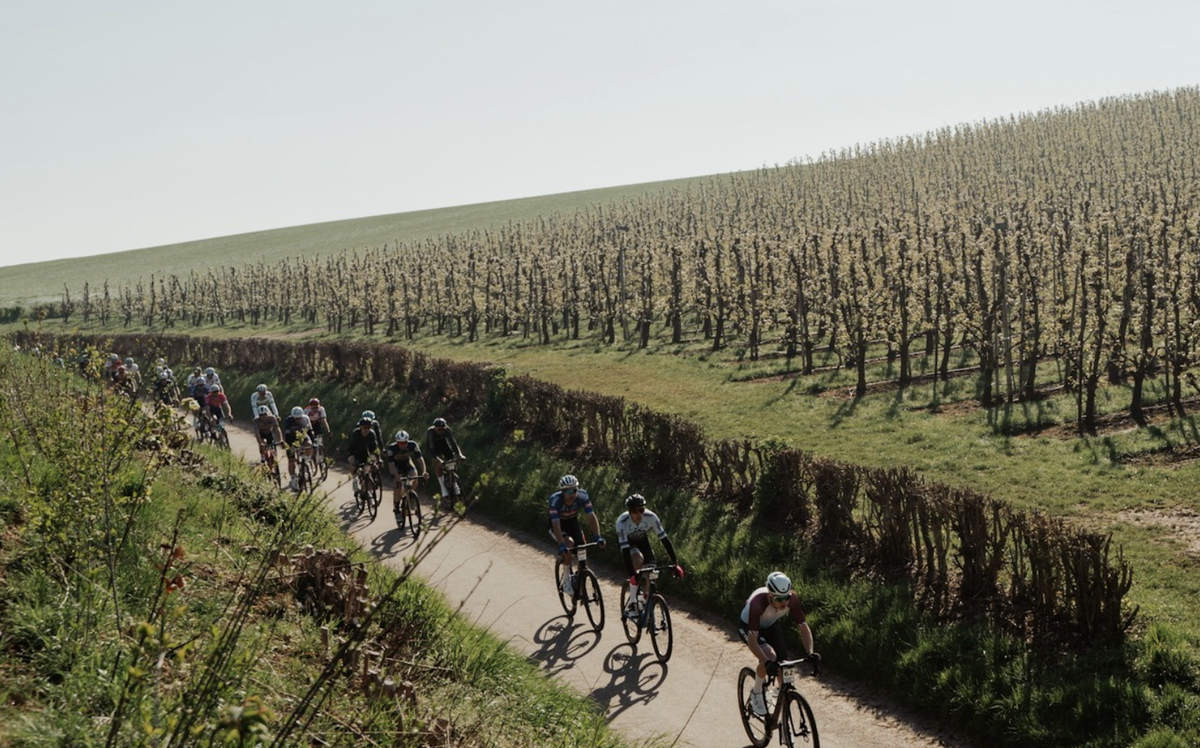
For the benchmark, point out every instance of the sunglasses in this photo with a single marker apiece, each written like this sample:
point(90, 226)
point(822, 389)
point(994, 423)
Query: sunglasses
point(569, 490)
point(781, 598)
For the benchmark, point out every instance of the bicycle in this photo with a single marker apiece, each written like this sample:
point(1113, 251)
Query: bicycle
point(450, 475)
point(369, 493)
point(653, 616)
point(585, 588)
point(409, 510)
point(269, 455)
point(220, 437)
point(787, 709)
point(306, 470)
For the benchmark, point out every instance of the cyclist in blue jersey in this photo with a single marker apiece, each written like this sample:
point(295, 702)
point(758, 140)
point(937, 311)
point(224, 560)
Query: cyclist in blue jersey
point(565, 505)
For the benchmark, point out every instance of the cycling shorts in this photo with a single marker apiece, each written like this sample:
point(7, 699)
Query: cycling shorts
point(772, 635)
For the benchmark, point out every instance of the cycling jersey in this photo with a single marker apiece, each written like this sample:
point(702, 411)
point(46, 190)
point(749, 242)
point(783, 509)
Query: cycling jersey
point(360, 445)
point(295, 425)
point(759, 614)
point(215, 402)
point(637, 532)
point(316, 414)
point(443, 445)
point(266, 425)
point(562, 511)
point(266, 399)
point(402, 455)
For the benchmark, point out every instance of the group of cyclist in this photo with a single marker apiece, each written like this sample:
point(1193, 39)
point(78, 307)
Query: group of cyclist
point(761, 613)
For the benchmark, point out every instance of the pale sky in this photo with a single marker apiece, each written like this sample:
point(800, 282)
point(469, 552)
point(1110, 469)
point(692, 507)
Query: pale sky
point(134, 124)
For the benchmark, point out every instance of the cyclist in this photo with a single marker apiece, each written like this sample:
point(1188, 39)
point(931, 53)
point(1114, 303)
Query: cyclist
point(110, 366)
point(297, 435)
point(633, 534)
point(440, 442)
point(758, 628)
point(194, 381)
point(163, 386)
point(370, 416)
point(267, 428)
point(565, 505)
point(263, 396)
point(133, 373)
point(318, 418)
point(363, 443)
point(403, 457)
point(160, 365)
point(218, 405)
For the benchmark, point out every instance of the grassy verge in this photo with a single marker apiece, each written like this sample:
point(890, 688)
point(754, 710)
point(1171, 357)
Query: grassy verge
point(150, 595)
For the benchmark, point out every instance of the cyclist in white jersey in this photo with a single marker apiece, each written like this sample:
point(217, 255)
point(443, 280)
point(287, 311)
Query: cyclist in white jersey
point(633, 533)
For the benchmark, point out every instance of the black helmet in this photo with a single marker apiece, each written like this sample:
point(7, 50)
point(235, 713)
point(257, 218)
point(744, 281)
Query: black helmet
point(439, 423)
point(635, 501)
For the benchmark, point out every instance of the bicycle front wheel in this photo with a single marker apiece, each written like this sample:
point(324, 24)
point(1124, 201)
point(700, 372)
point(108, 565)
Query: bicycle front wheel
point(758, 727)
point(658, 623)
point(303, 477)
point(800, 729)
point(632, 626)
point(221, 438)
point(374, 493)
point(414, 514)
point(593, 601)
point(322, 463)
point(567, 600)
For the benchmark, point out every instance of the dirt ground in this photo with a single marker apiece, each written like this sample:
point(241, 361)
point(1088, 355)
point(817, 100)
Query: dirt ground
point(503, 581)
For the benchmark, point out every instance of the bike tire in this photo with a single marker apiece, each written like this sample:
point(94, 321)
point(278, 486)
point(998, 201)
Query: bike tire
point(414, 514)
point(658, 623)
point(758, 729)
point(222, 438)
point(800, 726)
point(632, 626)
point(592, 599)
point(568, 602)
point(303, 477)
point(276, 475)
point(322, 462)
point(374, 493)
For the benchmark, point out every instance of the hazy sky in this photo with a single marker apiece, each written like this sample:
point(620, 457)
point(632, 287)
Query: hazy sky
point(133, 124)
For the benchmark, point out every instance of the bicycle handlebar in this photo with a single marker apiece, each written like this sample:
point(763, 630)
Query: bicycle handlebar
point(814, 659)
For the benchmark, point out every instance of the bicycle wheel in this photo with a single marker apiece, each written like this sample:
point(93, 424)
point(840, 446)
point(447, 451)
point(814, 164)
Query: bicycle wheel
point(322, 463)
point(221, 437)
point(658, 623)
point(374, 492)
point(632, 626)
point(568, 602)
point(414, 514)
point(303, 476)
point(758, 729)
point(800, 727)
point(593, 601)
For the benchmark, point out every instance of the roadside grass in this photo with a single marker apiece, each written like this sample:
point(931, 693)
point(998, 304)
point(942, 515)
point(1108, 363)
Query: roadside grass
point(118, 627)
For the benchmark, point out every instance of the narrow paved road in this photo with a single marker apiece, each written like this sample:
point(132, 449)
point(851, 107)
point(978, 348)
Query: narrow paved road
point(503, 581)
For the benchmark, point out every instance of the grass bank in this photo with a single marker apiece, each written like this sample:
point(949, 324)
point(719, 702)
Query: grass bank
point(149, 594)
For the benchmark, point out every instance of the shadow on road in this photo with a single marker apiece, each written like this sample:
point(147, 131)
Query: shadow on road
point(561, 641)
point(634, 680)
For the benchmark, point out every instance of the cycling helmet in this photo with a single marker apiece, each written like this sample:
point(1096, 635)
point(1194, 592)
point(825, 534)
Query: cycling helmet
point(196, 370)
point(314, 401)
point(164, 375)
point(778, 583)
point(129, 361)
point(369, 415)
point(401, 436)
point(439, 423)
point(635, 501)
point(261, 388)
point(297, 412)
point(568, 481)
point(263, 410)
point(160, 362)
point(364, 422)
point(111, 356)
point(210, 372)
point(215, 388)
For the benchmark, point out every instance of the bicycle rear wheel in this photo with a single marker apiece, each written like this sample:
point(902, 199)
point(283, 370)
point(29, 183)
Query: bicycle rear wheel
point(593, 601)
point(414, 514)
point(303, 476)
point(801, 726)
point(632, 626)
point(567, 601)
point(658, 623)
point(322, 463)
point(758, 728)
point(221, 437)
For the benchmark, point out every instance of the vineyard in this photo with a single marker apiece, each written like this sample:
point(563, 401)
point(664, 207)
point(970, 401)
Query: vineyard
point(1061, 250)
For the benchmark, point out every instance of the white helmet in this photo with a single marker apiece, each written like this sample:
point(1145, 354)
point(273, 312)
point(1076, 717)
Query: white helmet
point(263, 410)
point(778, 583)
point(261, 388)
point(210, 372)
point(297, 411)
point(568, 481)
point(401, 436)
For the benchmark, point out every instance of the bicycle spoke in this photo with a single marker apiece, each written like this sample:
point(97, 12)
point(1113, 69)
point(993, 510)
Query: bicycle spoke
point(758, 728)
point(658, 621)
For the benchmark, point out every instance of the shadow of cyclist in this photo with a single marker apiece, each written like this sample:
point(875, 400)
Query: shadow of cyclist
point(634, 680)
point(392, 543)
point(561, 641)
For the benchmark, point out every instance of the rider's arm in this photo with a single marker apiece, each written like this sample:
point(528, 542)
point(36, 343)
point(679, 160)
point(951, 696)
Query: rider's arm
point(806, 638)
point(276, 433)
point(421, 465)
point(670, 549)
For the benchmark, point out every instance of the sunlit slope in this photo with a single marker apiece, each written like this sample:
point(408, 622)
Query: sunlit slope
point(43, 281)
